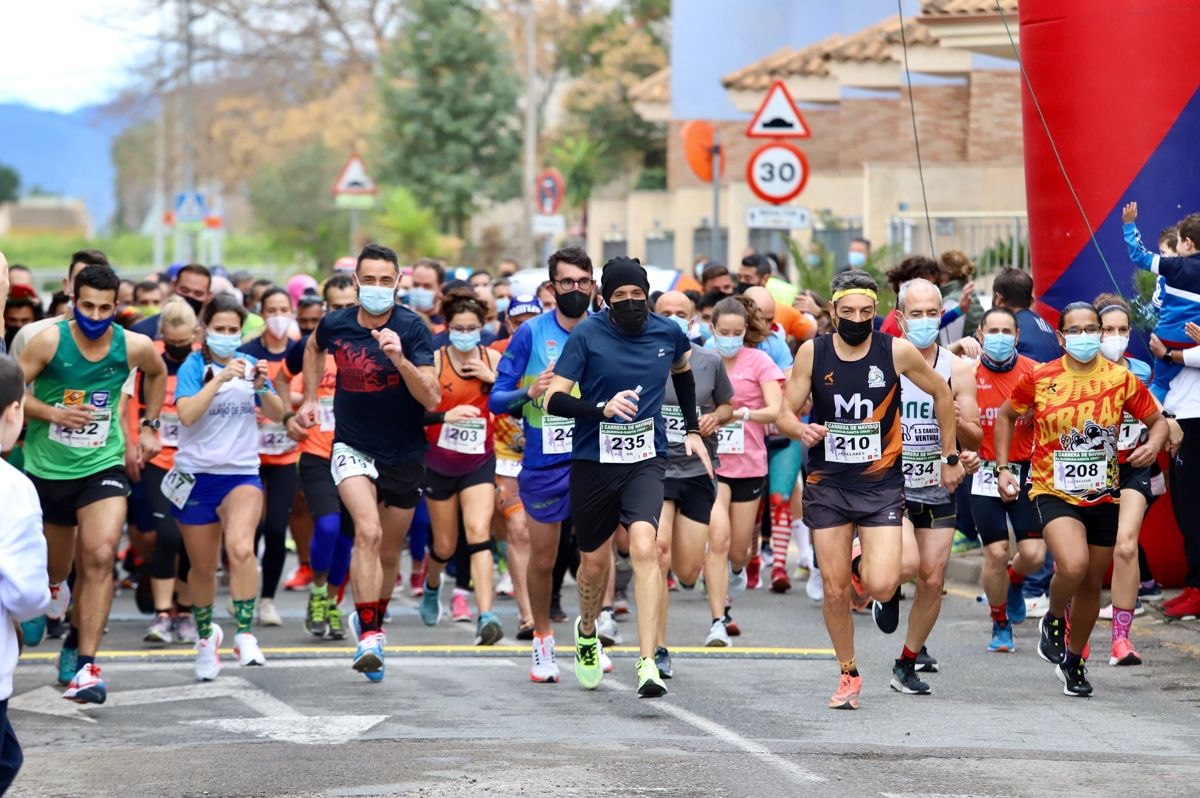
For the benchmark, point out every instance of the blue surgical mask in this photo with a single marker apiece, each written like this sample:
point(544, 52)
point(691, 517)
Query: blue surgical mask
point(706, 330)
point(376, 299)
point(999, 347)
point(856, 259)
point(682, 322)
point(729, 345)
point(464, 341)
point(922, 332)
point(221, 345)
point(92, 328)
point(502, 304)
point(420, 299)
point(1083, 347)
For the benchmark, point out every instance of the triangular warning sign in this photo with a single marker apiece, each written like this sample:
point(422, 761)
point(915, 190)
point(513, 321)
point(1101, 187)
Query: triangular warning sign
point(353, 178)
point(778, 116)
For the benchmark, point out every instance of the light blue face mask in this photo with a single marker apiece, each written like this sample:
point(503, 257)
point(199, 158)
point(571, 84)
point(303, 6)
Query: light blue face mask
point(420, 299)
point(376, 299)
point(464, 341)
point(706, 330)
point(683, 323)
point(1083, 347)
point(221, 345)
point(922, 332)
point(729, 345)
point(502, 304)
point(999, 347)
point(857, 259)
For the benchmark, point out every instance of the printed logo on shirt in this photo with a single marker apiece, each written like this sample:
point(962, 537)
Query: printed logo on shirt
point(100, 398)
point(829, 378)
point(72, 397)
point(662, 352)
point(875, 377)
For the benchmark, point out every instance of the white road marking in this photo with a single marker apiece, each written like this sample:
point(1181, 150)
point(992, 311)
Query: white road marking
point(298, 730)
point(725, 735)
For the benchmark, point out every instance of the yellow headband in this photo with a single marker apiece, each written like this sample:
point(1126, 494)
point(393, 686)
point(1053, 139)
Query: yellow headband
point(847, 291)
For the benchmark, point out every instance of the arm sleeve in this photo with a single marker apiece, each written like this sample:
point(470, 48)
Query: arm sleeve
point(567, 406)
point(418, 344)
point(1021, 398)
point(722, 387)
point(431, 419)
point(24, 591)
point(684, 383)
point(1141, 257)
point(190, 378)
point(506, 395)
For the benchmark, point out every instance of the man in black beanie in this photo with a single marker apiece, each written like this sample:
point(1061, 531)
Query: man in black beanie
point(621, 358)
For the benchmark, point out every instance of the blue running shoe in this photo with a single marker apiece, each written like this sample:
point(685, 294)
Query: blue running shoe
point(1002, 638)
point(68, 664)
point(34, 631)
point(431, 605)
point(86, 687)
point(1015, 605)
point(488, 630)
point(368, 659)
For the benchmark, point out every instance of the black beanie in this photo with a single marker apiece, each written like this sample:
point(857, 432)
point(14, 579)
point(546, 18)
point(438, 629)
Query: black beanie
point(622, 271)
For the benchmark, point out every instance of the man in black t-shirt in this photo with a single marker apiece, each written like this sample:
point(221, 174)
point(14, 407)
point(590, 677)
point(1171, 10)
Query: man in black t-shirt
point(385, 382)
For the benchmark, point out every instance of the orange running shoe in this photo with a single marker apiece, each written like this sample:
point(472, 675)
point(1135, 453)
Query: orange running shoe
point(300, 579)
point(1123, 653)
point(846, 695)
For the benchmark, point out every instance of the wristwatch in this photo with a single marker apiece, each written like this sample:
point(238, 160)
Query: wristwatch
point(153, 423)
point(1166, 356)
point(1003, 467)
point(950, 459)
point(744, 413)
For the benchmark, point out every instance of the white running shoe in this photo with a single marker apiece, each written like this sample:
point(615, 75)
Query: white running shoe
point(208, 658)
point(245, 645)
point(268, 615)
point(718, 637)
point(185, 629)
point(160, 631)
point(504, 587)
point(606, 663)
point(815, 587)
point(1037, 606)
point(737, 583)
point(60, 601)
point(607, 630)
point(545, 667)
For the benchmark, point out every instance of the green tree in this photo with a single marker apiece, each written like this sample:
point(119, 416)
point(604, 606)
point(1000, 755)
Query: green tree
point(406, 226)
point(449, 114)
point(293, 205)
point(578, 158)
point(10, 184)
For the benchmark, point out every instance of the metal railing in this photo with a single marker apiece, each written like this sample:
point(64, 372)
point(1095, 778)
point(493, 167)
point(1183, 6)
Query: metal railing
point(991, 239)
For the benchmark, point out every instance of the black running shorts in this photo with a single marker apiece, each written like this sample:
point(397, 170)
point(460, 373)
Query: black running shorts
point(604, 495)
point(61, 498)
point(1099, 520)
point(316, 481)
point(931, 516)
point(1139, 479)
point(993, 515)
point(827, 506)
point(693, 497)
point(441, 487)
point(744, 489)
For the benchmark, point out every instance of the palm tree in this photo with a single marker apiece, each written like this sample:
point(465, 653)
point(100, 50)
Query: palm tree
point(578, 158)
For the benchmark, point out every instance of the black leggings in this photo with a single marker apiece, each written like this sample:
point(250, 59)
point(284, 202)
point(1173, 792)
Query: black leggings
point(280, 483)
point(1185, 486)
point(568, 556)
point(168, 542)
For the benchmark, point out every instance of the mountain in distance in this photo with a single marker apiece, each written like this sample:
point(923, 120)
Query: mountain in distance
point(68, 154)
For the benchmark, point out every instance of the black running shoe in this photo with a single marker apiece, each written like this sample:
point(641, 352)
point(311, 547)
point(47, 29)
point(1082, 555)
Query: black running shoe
point(1051, 647)
point(887, 613)
point(662, 658)
point(1074, 679)
point(925, 661)
point(525, 632)
point(905, 679)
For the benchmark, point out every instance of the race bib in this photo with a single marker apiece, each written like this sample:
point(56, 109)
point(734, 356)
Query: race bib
point(273, 439)
point(508, 468)
point(1130, 435)
point(558, 434)
point(922, 469)
point(168, 434)
point(325, 413)
point(1080, 472)
point(465, 437)
point(627, 443)
point(731, 438)
point(92, 435)
point(986, 481)
point(177, 487)
point(345, 462)
point(853, 443)
point(673, 421)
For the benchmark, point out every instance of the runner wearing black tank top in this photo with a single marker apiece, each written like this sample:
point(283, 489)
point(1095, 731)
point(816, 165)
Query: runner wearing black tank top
point(855, 478)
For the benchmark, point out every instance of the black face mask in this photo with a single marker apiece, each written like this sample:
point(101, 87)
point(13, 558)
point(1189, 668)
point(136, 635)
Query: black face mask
point(573, 304)
point(630, 315)
point(741, 287)
point(855, 332)
point(194, 303)
point(177, 352)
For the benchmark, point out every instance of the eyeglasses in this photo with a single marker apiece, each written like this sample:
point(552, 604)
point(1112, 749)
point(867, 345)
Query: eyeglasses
point(568, 284)
point(1091, 329)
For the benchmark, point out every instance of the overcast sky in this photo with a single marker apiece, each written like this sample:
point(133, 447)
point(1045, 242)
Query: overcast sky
point(61, 54)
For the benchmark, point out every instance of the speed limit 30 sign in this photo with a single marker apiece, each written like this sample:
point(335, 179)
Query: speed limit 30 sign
point(777, 172)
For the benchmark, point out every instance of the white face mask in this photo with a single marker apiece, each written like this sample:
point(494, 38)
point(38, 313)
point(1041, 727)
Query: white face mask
point(1113, 347)
point(279, 325)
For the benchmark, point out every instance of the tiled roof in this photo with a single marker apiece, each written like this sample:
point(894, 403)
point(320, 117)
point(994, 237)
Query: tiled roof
point(654, 89)
point(812, 61)
point(946, 8)
point(869, 45)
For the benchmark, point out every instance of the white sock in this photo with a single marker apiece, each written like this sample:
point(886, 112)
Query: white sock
point(803, 543)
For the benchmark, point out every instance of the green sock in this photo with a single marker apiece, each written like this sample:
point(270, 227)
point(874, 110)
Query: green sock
point(203, 617)
point(243, 612)
point(320, 591)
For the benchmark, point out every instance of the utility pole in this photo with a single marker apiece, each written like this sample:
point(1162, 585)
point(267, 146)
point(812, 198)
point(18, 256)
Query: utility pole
point(160, 154)
point(185, 240)
point(528, 246)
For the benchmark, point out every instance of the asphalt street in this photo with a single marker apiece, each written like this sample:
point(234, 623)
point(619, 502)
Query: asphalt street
point(453, 720)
